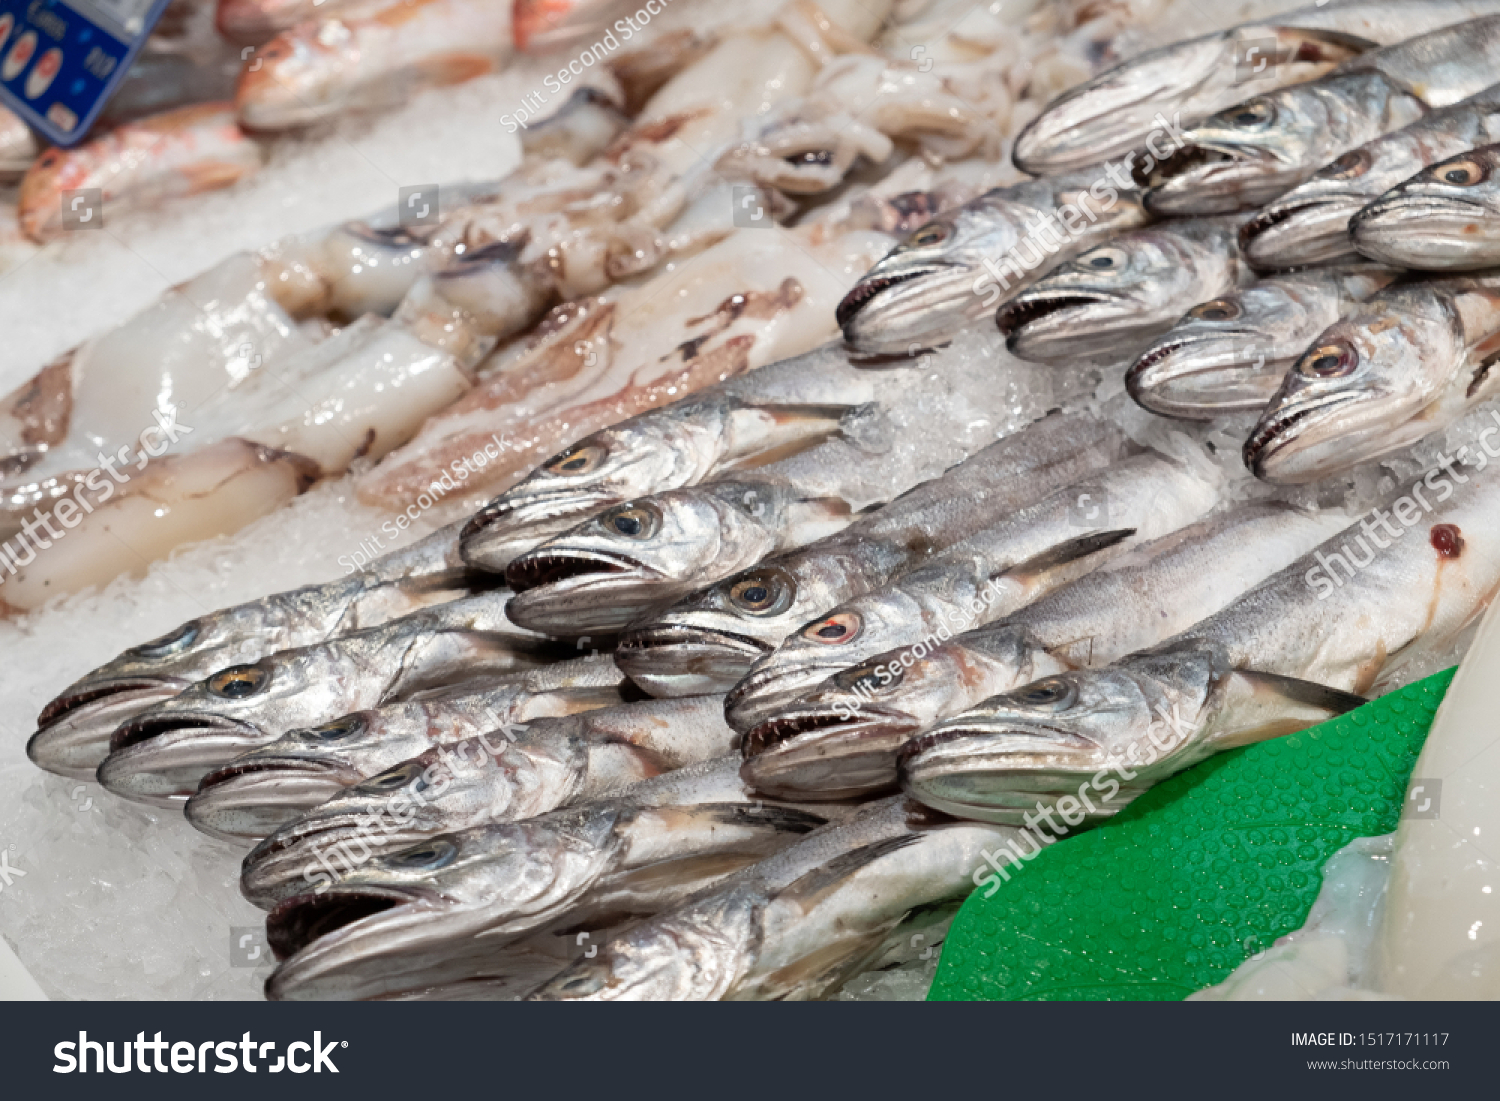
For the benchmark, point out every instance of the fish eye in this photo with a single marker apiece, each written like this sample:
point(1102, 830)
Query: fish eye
point(933, 233)
point(764, 592)
point(428, 856)
point(1329, 361)
point(868, 677)
point(1107, 258)
point(169, 643)
point(835, 630)
point(1255, 113)
point(1216, 309)
point(238, 682)
point(337, 729)
point(1465, 173)
point(632, 521)
point(811, 158)
point(1356, 162)
point(583, 459)
point(393, 778)
point(1052, 694)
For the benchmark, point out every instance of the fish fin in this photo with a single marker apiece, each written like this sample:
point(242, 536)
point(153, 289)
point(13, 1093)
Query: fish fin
point(813, 518)
point(815, 885)
point(1272, 705)
point(792, 429)
point(1069, 551)
point(1308, 692)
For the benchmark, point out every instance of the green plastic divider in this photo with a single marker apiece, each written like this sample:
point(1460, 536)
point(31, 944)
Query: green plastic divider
point(1198, 874)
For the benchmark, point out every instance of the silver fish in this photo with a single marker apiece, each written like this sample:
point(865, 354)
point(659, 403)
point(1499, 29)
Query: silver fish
point(963, 263)
point(1229, 354)
point(1102, 306)
point(1302, 646)
point(264, 789)
point(448, 908)
point(708, 641)
point(1310, 223)
point(1248, 154)
point(1409, 362)
point(490, 778)
point(161, 754)
point(764, 415)
point(841, 738)
point(1445, 218)
point(795, 925)
point(989, 575)
point(73, 731)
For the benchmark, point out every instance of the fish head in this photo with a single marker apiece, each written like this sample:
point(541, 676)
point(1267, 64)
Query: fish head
point(1310, 223)
point(1226, 355)
point(632, 558)
point(846, 636)
point(1445, 217)
point(1239, 159)
point(607, 468)
point(1359, 391)
point(839, 740)
point(1041, 745)
point(296, 78)
point(921, 293)
point(73, 731)
point(161, 754)
point(1098, 303)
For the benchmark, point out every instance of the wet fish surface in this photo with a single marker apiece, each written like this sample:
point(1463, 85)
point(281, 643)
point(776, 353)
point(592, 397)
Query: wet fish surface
point(1445, 218)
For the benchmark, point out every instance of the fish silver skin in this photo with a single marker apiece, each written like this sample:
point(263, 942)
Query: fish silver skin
point(941, 278)
point(987, 576)
point(1407, 363)
point(1103, 305)
point(1445, 218)
point(840, 740)
point(1310, 223)
point(1248, 154)
point(73, 730)
point(1304, 645)
point(795, 925)
point(762, 416)
point(708, 641)
point(1115, 112)
point(264, 789)
point(160, 755)
point(449, 907)
point(494, 777)
point(1229, 354)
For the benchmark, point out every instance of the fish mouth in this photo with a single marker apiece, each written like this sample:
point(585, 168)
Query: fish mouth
point(680, 660)
point(1411, 231)
point(1293, 234)
point(825, 751)
point(863, 292)
point(1212, 380)
point(1208, 177)
point(1029, 309)
point(573, 593)
point(74, 730)
point(504, 530)
point(160, 759)
point(303, 919)
point(1273, 436)
point(536, 569)
point(248, 801)
point(276, 868)
point(763, 693)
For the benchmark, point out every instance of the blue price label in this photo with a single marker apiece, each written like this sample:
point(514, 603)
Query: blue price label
point(61, 60)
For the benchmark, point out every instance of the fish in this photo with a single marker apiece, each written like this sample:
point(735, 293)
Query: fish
point(752, 419)
point(262, 790)
point(1442, 219)
point(1105, 304)
point(840, 739)
point(1229, 354)
point(1408, 363)
point(369, 58)
point(449, 907)
point(499, 776)
point(138, 165)
point(1310, 223)
point(1253, 152)
point(958, 267)
point(1115, 113)
point(1308, 643)
point(708, 641)
point(160, 754)
point(990, 574)
point(255, 22)
point(795, 925)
